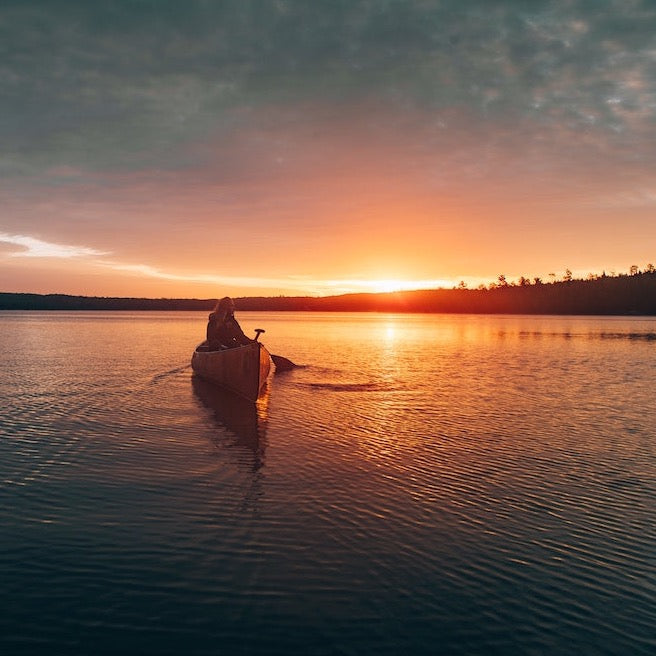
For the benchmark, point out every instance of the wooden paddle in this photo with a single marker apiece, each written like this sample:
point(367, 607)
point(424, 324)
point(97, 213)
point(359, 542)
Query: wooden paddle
point(282, 364)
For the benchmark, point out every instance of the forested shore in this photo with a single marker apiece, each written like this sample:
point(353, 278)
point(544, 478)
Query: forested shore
point(630, 294)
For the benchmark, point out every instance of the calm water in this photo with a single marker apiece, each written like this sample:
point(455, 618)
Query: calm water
point(424, 485)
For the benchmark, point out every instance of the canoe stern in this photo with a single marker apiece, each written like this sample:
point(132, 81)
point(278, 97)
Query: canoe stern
point(243, 370)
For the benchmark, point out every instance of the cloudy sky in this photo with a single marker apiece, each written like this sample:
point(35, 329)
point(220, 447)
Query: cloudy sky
point(197, 148)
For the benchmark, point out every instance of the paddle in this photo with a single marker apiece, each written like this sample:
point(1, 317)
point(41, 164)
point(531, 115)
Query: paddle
point(282, 364)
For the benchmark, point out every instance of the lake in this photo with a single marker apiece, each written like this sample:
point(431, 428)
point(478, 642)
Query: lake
point(423, 484)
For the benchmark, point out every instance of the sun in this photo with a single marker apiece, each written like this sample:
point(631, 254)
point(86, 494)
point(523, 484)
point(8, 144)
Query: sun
point(389, 285)
point(383, 286)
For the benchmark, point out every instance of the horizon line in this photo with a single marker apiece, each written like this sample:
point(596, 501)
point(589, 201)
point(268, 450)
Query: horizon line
point(500, 284)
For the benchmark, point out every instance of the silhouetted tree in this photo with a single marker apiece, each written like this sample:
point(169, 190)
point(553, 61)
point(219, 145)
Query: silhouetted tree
point(502, 281)
point(568, 276)
point(633, 270)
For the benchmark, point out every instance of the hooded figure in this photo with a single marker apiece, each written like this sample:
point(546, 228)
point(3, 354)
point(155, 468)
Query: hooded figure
point(223, 331)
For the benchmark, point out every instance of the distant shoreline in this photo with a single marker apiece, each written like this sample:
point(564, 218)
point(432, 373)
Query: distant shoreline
point(606, 295)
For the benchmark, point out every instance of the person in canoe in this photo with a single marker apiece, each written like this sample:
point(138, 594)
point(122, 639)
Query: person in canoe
point(223, 330)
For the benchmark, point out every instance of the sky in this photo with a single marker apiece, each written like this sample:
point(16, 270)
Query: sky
point(197, 148)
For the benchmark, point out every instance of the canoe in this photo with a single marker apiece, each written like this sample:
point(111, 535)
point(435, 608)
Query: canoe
point(242, 370)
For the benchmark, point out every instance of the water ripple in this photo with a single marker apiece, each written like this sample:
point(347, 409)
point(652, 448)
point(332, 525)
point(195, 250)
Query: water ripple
point(409, 495)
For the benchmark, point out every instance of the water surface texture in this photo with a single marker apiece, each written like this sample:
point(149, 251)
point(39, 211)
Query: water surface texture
point(423, 485)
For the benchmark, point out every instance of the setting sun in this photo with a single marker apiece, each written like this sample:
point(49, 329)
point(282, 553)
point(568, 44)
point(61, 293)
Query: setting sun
point(398, 285)
point(388, 285)
point(376, 285)
point(381, 286)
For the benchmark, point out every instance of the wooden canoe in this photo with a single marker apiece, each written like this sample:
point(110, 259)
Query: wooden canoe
point(242, 370)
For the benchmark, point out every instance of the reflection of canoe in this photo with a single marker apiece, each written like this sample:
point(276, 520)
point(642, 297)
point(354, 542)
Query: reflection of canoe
point(245, 419)
point(242, 370)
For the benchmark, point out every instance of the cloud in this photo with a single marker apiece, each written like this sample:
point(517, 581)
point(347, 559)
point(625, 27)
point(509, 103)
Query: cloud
point(199, 277)
point(640, 197)
point(123, 85)
point(32, 247)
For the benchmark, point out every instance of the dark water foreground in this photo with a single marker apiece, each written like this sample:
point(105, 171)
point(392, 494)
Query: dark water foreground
point(426, 485)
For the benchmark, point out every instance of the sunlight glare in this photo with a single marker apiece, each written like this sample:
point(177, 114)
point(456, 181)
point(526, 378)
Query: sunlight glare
point(388, 286)
point(391, 285)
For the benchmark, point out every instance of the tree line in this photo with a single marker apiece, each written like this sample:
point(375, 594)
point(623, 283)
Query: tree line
point(633, 293)
point(501, 281)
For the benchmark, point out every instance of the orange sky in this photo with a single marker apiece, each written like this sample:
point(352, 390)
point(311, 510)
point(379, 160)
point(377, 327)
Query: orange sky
point(410, 160)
